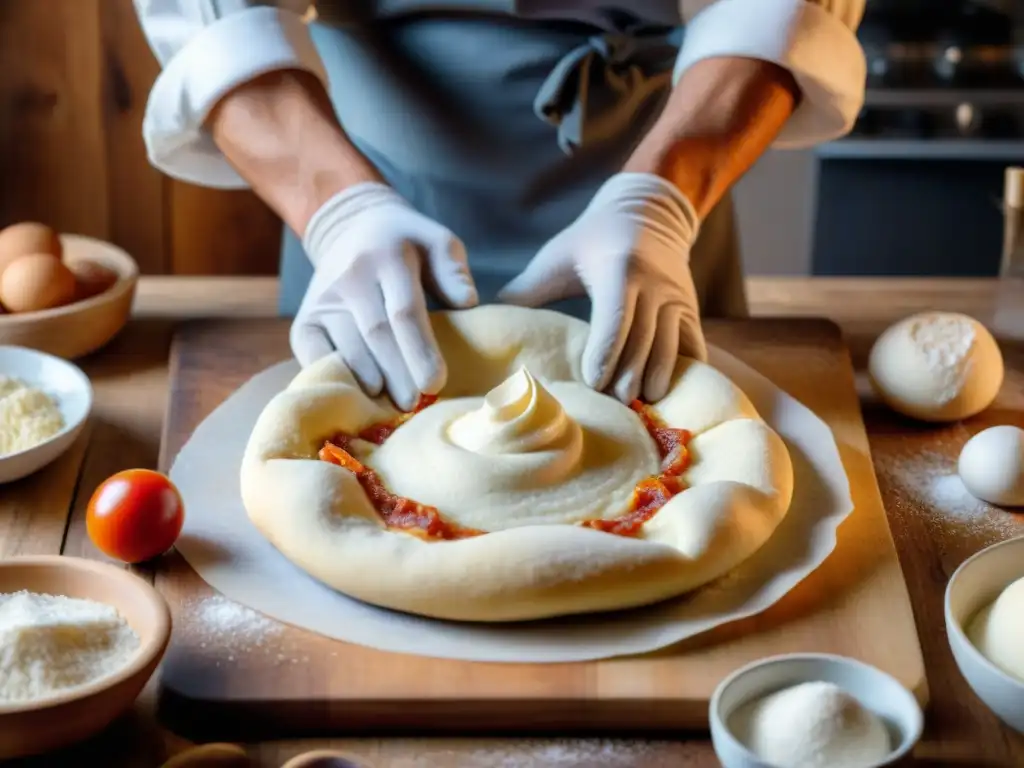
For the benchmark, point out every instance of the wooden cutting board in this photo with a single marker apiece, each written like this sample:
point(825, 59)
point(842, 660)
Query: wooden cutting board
point(287, 680)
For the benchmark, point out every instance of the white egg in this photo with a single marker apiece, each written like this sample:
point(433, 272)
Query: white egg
point(937, 366)
point(992, 466)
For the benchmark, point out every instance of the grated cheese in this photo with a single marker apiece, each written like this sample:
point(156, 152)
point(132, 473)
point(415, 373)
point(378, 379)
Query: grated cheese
point(51, 643)
point(28, 416)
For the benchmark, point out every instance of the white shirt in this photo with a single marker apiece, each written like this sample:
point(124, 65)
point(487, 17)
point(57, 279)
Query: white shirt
point(209, 47)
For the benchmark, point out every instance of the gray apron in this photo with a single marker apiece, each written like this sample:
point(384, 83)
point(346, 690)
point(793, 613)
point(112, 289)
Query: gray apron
point(501, 124)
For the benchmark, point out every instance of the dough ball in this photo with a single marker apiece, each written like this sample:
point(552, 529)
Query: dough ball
point(992, 466)
point(34, 282)
point(998, 631)
point(27, 237)
point(937, 366)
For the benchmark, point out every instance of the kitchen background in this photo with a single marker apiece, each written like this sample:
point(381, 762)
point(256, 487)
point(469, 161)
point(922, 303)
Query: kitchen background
point(915, 190)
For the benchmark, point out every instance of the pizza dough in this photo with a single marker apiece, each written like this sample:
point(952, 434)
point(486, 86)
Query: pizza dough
point(937, 366)
point(517, 446)
point(991, 465)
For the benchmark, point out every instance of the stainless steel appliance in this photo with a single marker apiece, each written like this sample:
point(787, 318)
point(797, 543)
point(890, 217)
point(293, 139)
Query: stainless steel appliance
point(915, 189)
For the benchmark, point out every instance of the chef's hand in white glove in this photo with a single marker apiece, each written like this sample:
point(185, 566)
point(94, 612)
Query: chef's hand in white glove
point(371, 252)
point(630, 252)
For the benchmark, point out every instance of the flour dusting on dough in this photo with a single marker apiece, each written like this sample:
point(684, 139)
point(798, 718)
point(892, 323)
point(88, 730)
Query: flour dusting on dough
point(944, 343)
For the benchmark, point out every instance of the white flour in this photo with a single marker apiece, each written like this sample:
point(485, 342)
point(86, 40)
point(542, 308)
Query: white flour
point(811, 725)
point(929, 487)
point(233, 630)
point(49, 644)
point(944, 342)
point(561, 753)
point(28, 416)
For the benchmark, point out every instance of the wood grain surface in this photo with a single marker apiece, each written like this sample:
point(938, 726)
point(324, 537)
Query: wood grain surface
point(74, 79)
point(855, 605)
point(44, 514)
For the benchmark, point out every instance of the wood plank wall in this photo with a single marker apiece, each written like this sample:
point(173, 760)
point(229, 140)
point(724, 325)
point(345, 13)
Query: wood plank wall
point(74, 78)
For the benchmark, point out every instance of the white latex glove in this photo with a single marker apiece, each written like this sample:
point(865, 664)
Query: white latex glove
point(630, 252)
point(371, 252)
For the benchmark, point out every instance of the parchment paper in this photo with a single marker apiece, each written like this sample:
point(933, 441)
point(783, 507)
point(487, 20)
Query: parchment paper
point(224, 548)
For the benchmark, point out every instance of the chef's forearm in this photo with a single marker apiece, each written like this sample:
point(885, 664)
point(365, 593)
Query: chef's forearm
point(280, 132)
point(721, 116)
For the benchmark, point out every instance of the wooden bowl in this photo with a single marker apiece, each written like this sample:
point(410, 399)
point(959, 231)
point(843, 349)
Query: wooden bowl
point(77, 329)
point(34, 727)
point(324, 758)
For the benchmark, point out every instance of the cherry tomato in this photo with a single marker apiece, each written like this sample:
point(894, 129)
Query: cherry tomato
point(135, 515)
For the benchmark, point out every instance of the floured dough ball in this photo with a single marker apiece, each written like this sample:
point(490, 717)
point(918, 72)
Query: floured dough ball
point(998, 631)
point(992, 466)
point(937, 366)
point(35, 282)
point(27, 237)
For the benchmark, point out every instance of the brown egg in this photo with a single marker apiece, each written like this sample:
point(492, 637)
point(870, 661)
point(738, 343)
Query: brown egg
point(34, 282)
point(27, 237)
point(91, 278)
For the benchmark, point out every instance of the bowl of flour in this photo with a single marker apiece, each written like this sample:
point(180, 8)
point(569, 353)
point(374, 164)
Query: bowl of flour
point(79, 639)
point(813, 710)
point(44, 404)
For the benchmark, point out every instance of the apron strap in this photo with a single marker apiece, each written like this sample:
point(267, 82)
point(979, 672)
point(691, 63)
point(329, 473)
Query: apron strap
point(598, 88)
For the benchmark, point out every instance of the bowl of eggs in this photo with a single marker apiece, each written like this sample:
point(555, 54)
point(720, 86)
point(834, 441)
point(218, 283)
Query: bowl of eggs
point(66, 295)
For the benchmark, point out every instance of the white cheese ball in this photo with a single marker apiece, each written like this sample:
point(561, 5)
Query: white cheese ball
point(936, 366)
point(998, 631)
point(992, 466)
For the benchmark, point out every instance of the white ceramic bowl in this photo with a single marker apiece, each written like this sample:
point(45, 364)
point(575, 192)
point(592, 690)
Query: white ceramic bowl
point(63, 381)
point(976, 583)
point(874, 689)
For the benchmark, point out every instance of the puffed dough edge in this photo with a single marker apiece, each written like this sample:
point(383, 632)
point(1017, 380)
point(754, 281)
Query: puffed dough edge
point(317, 515)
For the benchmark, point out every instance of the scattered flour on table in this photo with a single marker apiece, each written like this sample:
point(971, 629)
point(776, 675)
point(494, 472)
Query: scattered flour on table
point(561, 753)
point(229, 630)
point(929, 486)
point(52, 643)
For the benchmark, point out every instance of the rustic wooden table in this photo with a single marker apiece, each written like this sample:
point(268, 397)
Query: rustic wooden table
point(934, 531)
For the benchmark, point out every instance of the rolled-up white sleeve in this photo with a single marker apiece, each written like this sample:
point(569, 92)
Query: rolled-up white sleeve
point(815, 40)
point(207, 48)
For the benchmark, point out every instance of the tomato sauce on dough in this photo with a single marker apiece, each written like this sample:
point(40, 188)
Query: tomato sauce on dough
point(397, 512)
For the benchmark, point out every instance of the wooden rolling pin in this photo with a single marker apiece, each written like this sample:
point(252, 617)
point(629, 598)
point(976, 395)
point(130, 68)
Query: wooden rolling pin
point(1012, 264)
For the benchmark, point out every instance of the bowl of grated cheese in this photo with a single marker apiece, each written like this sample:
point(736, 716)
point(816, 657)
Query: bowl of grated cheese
point(44, 404)
point(79, 639)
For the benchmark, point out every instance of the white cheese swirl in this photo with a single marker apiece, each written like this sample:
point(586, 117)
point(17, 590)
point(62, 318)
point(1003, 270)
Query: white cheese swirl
point(526, 453)
point(518, 416)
